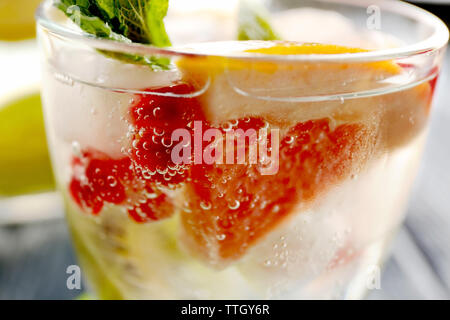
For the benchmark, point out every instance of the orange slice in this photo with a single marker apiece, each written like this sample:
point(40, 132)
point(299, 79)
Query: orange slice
point(287, 92)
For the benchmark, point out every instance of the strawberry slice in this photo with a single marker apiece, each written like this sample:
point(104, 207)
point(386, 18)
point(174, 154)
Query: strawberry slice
point(156, 206)
point(232, 206)
point(155, 117)
point(133, 181)
point(98, 179)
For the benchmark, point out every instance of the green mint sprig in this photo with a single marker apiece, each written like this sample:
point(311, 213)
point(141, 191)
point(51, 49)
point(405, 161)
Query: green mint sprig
point(139, 21)
point(142, 21)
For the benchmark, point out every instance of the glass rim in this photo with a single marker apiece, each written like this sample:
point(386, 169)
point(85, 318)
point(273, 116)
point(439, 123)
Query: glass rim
point(437, 40)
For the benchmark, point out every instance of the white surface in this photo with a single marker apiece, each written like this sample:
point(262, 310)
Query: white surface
point(19, 67)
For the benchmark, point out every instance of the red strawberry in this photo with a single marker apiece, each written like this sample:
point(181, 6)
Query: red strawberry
point(82, 194)
point(131, 181)
point(155, 118)
point(232, 206)
point(98, 179)
point(156, 206)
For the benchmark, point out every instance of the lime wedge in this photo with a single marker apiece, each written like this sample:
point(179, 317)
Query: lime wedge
point(17, 19)
point(24, 160)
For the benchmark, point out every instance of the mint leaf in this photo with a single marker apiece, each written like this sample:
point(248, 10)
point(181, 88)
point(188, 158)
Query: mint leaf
point(156, 11)
point(156, 63)
point(79, 11)
point(254, 22)
point(125, 21)
point(107, 8)
point(142, 20)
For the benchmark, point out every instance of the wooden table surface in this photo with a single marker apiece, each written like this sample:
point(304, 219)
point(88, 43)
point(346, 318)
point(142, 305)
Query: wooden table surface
point(34, 257)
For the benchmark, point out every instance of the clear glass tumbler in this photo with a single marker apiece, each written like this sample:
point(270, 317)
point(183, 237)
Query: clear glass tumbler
point(242, 170)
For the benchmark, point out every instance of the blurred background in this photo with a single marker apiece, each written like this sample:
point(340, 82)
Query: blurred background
point(35, 248)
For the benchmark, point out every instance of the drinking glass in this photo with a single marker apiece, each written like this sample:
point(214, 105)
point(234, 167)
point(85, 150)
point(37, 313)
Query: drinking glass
point(240, 170)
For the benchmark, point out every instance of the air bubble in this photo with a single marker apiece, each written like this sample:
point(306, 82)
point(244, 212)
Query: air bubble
point(162, 170)
point(155, 111)
point(111, 181)
point(235, 205)
point(263, 205)
point(147, 174)
point(205, 205)
point(166, 142)
point(290, 140)
point(159, 132)
point(187, 209)
point(221, 237)
point(227, 126)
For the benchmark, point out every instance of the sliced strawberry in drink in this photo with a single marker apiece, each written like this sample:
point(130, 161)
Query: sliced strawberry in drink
point(98, 179)
point(156, 206)
point(231, 206)
point(84, 197)
point(132, 181)
point(155, 117)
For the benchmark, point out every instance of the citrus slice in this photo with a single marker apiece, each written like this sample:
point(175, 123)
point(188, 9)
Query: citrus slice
point(24, 160)
point(17, 19)
point(287, 92)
